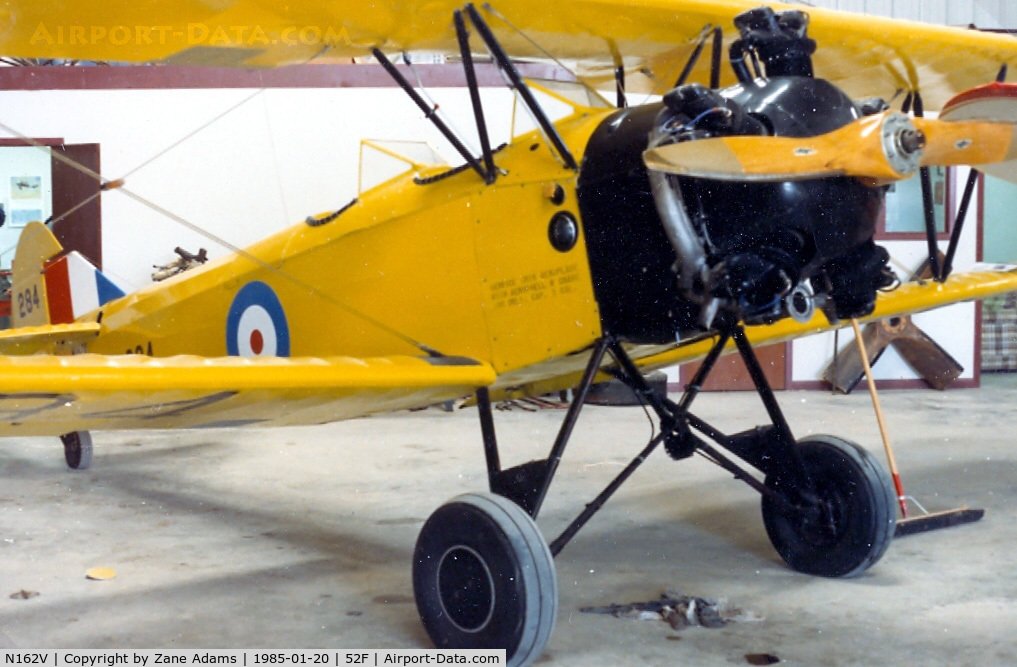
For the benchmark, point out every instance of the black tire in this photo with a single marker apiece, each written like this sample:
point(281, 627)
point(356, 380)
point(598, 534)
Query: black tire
point(484, 578)
point(858, 514)
point(77, 449)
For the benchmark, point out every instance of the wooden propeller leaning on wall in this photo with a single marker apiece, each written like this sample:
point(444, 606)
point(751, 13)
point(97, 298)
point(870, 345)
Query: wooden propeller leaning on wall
point(932, 363)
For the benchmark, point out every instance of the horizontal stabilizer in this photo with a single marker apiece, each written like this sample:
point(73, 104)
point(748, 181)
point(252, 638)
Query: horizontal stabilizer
point(47, 338)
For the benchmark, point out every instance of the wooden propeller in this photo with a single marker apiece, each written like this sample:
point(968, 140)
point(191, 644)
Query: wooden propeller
point(921, 352)
point(934, 364)
point(883, 147)
point(995, 102)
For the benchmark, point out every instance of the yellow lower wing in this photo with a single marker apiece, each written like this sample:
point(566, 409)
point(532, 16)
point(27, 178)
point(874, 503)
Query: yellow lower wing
point(909, 298)
point(52, 395)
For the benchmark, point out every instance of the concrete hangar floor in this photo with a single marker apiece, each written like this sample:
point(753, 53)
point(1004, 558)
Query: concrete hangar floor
point(301, 537)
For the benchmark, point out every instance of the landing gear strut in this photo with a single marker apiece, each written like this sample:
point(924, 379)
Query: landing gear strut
point(827, 506)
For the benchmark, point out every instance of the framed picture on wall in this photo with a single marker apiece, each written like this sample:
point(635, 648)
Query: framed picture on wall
point(20, 217)
point(26, 187)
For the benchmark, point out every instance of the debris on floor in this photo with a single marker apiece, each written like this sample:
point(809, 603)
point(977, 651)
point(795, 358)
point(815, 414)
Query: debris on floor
point(101, 574)
point(680, 611)
point(24, 595)
point(761, 659)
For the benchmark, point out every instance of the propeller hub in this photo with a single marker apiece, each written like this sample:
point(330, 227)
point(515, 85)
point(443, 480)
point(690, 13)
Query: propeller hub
point(912, 141)
point(902, 143)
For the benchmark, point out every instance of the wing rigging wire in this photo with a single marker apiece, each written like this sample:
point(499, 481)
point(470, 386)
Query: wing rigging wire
point(188, 136)
point(106, 184)
point(494, 12)
point(435, 107)
point(700, 39)
point(697, 44)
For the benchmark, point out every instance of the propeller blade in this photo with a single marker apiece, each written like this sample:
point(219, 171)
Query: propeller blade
point(994, 102)
point(765, 158)
point(882, 147)
point(930, 361)
point(847, 371)
point(975, 143)
point(924, 355)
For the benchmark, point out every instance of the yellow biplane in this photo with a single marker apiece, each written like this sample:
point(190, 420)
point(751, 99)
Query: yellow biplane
point(739, 209)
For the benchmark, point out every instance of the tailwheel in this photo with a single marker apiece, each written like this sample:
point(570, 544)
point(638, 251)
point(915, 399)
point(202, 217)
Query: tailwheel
point(484, 577)
point(847, 524)
point(77, 449)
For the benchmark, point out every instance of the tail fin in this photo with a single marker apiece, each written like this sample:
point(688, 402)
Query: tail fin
point(48, 287)
point(28, 285)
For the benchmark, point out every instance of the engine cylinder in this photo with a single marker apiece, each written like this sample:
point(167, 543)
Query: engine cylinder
point(760, 240)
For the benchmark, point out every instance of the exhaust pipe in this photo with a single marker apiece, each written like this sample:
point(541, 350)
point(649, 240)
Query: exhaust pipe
point(691, 265)
point(681, 234)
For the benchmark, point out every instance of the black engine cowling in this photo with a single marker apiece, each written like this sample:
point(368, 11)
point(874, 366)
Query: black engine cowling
point(759, 251)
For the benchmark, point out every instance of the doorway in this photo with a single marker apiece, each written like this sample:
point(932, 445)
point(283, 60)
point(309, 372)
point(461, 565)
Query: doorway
point(44, 180)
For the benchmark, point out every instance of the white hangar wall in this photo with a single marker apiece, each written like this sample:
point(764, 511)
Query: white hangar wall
point(985, 14)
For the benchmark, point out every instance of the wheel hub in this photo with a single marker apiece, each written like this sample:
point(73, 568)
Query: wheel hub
point(820, 522)
point(466, 589)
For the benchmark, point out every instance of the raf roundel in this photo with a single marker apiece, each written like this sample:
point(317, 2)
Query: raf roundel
point(256, 323)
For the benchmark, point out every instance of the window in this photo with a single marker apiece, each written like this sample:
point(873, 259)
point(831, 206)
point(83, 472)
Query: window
point(903, 216)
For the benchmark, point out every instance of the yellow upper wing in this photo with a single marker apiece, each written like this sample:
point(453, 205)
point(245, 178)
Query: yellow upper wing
point(866, 55)
point(52, 395)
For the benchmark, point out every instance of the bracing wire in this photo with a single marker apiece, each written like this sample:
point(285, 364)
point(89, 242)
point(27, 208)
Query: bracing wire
point(189, 135)
point(494, 12)
point(436, 108)
point(617, 374)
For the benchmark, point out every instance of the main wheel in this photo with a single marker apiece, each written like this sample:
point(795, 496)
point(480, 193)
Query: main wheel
point(483, 577)
point(849, 526)
point(77, 449)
